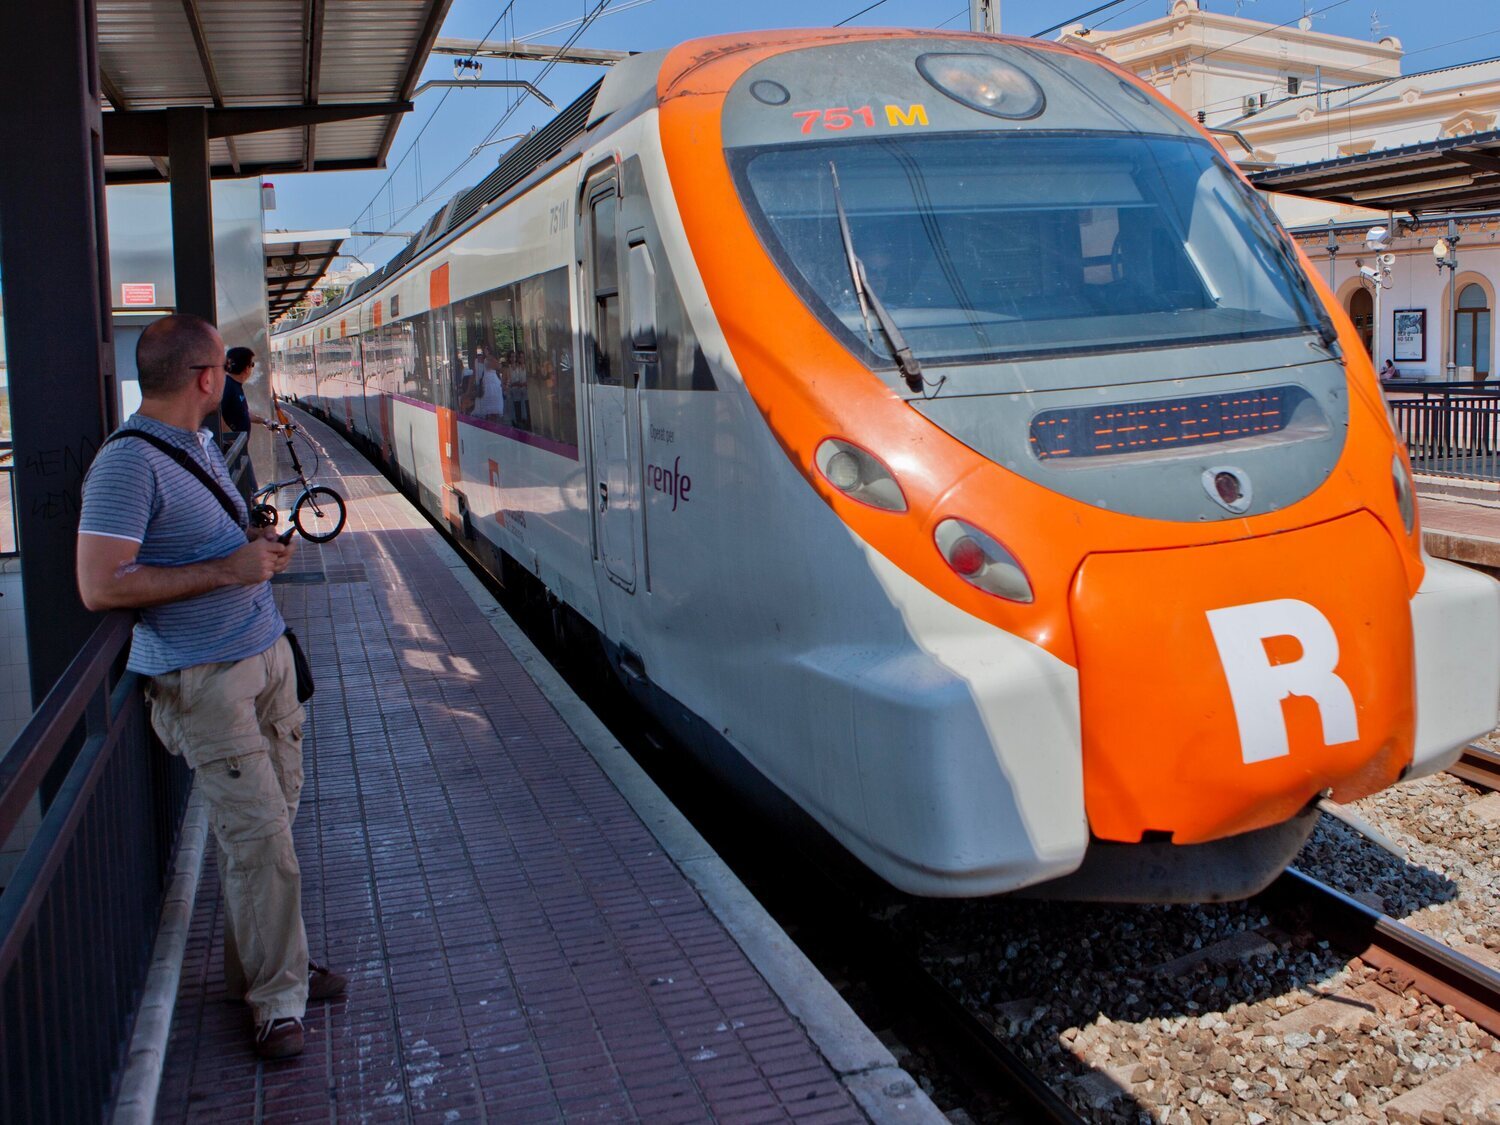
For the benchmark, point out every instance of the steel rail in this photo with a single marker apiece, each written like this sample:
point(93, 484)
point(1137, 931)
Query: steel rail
point(1478, 766)
point(1437, 970)
point(904, 973)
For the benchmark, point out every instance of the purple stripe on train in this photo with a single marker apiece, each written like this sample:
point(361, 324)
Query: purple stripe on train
point(525, 437)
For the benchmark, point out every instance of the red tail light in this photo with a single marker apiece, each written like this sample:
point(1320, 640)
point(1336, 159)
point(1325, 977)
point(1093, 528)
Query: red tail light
point(980, 560)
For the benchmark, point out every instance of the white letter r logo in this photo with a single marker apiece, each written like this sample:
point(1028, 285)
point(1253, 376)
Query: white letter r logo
point(1258, 687)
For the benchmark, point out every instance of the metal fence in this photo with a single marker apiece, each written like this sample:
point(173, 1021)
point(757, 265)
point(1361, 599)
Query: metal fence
point(8, 548)
point(1451, 429)
point(79, 916)
point(78, 919)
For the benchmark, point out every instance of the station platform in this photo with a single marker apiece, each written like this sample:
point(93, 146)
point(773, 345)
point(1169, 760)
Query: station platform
point(1460, 519)
point(531, 932)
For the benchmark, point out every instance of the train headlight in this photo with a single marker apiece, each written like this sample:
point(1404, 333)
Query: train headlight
point(1406, 499)
point(985, 83)
point(859, 475)
point(980, 560)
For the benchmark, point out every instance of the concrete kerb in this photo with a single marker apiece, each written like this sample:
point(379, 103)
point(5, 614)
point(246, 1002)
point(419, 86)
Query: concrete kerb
point(140, 1082)
point(1476, 550)
point(864, 1065)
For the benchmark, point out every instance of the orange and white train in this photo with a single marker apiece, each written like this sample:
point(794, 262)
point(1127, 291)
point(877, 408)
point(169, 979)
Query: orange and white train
point(940, 426)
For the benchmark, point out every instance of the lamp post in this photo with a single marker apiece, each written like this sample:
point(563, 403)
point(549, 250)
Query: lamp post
point(1379, 277)
point(1333, 252)
point(1445, 256)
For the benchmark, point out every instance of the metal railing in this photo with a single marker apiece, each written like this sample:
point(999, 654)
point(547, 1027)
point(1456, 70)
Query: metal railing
point(9, 548)
point(1450, 429)
point(78, 918)
point(236, 450)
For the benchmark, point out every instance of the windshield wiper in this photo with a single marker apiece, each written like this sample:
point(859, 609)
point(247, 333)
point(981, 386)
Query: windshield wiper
point(911, 369)
point(1284, 248)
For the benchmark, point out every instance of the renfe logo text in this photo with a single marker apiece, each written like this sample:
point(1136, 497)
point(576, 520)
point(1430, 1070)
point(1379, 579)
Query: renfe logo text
point(673, 481)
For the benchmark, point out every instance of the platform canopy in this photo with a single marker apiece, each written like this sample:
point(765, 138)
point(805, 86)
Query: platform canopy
point(288, 85)
point(1452, 174)
point(296, 260)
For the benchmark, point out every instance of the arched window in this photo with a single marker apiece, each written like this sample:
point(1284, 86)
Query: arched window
point(1362, 312)
point(1471, 326)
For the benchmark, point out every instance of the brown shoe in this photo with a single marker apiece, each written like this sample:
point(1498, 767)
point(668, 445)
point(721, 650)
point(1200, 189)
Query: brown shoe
point(279, 1039)
point(323, 983)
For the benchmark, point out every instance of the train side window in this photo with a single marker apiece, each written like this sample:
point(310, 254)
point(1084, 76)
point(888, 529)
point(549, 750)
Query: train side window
point(641, 273)
point(608, 367)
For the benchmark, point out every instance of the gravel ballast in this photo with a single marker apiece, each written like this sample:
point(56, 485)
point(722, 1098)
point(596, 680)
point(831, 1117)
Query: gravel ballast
point(1222, 1013)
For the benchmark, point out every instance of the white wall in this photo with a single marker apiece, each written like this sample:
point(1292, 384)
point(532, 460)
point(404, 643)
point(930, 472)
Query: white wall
point(140, 249)
point(1416, 283)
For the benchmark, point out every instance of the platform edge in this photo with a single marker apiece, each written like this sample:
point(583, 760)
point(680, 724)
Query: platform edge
point(864, 1065)
point(146, 1057)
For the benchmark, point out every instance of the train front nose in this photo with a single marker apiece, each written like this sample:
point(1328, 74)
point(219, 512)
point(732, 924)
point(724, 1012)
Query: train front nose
point(1223, 687)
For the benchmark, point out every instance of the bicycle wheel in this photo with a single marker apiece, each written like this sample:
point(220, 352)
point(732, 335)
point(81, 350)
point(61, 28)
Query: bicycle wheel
point(319, 514)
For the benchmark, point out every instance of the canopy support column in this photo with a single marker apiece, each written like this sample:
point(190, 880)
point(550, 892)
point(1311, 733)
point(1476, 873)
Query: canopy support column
point(54, 261)
point(192, 213)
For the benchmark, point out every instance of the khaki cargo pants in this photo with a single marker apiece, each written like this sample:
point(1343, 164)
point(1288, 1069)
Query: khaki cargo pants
point(239, 726)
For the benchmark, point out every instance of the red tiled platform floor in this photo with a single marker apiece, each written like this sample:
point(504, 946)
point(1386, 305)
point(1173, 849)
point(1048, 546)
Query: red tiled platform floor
point(519, 947)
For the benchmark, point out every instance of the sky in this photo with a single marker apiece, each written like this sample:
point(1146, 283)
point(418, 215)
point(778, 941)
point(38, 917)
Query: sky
point(433, 155)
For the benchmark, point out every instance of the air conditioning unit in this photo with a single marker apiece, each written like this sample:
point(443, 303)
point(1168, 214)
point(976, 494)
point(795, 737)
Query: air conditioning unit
point(1250, 104)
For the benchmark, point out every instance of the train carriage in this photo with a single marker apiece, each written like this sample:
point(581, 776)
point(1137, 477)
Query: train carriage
point(939, 428)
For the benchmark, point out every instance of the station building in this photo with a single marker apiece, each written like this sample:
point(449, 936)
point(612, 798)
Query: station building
point(1293, 95)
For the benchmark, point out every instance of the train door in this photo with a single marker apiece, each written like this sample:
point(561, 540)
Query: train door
point(614, 448)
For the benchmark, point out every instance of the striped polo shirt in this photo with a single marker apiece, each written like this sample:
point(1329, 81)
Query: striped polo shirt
point(134, 491)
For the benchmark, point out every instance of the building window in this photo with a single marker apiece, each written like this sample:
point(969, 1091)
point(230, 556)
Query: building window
point(1293, 85)
point(1472, 331)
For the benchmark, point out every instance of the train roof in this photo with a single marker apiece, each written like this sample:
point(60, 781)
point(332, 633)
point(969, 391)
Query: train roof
point(629, 85)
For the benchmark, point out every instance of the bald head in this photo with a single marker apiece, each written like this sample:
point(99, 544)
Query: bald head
point(170, 349)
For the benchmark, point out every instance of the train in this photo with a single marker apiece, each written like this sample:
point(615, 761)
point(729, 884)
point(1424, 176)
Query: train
point(939, 432)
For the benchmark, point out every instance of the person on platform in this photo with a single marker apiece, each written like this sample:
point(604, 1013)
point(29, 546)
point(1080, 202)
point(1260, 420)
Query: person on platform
point(516, 396)
point(156, 536)
point(489, 403)
point(235, 415)
point(1389, 372)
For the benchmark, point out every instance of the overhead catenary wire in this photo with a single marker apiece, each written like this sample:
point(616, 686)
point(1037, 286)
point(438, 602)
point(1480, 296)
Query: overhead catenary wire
point(1075, 19)
point(417, 139)
point(551, 64)
point(510, 110)
point(1266, 31)
point(1373, 83)
point(615, 11)
point(859, 13)
point(1120, 14)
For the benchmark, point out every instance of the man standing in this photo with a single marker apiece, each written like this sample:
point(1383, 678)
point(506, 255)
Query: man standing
point(235, 415)
point(154, 536)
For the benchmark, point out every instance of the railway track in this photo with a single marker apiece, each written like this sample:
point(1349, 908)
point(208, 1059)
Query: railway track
point(1478, 766)
point(1434, 969)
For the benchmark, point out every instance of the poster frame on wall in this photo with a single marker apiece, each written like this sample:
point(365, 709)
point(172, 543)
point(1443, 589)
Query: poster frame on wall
point(1412, 345)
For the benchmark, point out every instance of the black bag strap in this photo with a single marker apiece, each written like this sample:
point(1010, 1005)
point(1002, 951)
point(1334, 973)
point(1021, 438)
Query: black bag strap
point(182, 457)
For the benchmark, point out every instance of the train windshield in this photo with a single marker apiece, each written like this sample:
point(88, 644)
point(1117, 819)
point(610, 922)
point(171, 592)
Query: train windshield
point(984, 245)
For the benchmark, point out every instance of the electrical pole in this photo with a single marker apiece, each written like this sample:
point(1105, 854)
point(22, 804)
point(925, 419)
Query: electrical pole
point(984, 16)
